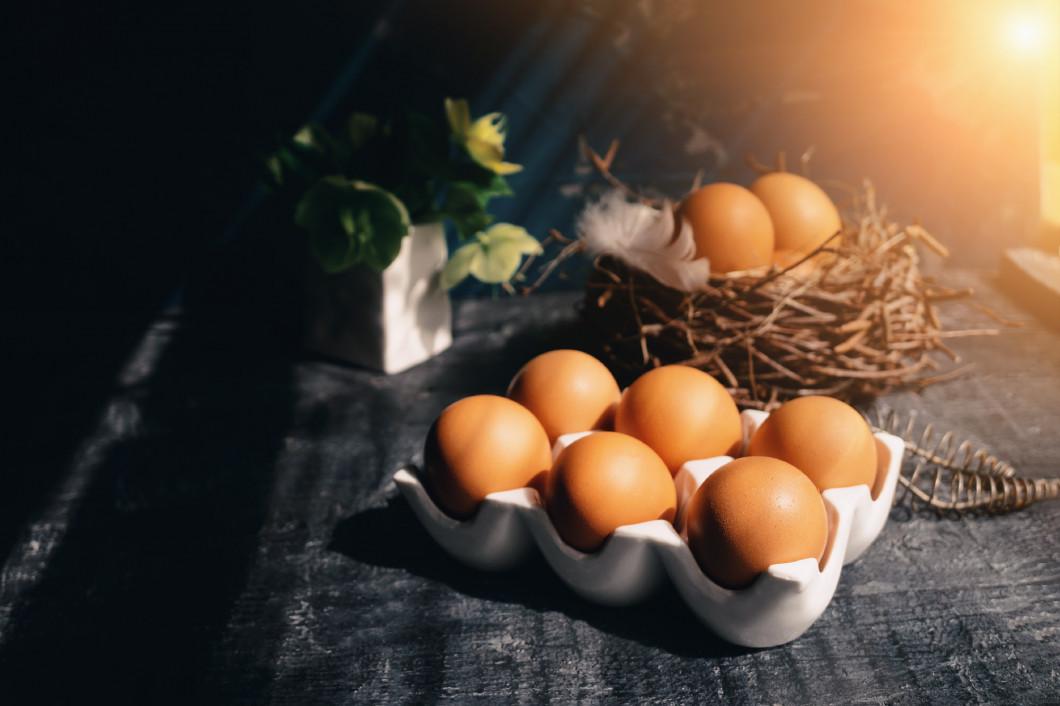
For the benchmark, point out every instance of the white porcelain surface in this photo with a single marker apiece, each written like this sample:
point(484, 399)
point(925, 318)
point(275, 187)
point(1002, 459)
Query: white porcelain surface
point(390, 320)
point(778, 607)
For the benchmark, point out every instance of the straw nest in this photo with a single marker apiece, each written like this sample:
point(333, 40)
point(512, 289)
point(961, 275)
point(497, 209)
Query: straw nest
point(854, 320)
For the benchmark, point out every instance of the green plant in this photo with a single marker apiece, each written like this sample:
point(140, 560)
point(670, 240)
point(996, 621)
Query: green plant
point(357, 191)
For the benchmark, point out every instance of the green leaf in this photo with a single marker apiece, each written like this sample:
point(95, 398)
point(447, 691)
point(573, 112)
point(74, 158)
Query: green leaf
point(463, 206)
point(316, 148)
point(270, 172)
point(496, 264)
point(459, 265)
point(316, 137)
point(360, 128)
point(503, 248)
point(512, 236)
point(458, 115)
point(298, 160)
point(496, 186)
point(351, 222)
point(390, 224)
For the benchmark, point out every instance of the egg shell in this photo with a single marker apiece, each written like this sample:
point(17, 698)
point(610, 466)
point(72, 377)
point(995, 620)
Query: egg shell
point(480, 445)
point(823, 437)
point(603, 481)
point(568, 391)
point(803, 215)
point(730, 226)
point(682, 413)
point(777, 608)
point(751, 513)
point(791, 261)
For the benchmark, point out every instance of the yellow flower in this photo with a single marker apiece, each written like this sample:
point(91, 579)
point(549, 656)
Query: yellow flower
point(484, 138)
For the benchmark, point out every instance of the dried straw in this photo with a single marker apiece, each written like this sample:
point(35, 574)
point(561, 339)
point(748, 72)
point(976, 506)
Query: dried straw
point(955, 478)
point(853, 320)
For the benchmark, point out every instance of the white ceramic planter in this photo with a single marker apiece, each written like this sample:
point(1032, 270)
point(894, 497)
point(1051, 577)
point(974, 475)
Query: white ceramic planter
point(390, 320)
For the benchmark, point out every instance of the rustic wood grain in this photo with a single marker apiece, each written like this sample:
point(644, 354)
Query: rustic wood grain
point(230, 533)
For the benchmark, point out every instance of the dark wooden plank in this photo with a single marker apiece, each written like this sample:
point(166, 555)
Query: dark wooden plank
point(231, 533)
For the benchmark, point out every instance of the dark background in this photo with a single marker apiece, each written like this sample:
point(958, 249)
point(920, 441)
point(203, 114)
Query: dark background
point(130, 147)
point(134, 129)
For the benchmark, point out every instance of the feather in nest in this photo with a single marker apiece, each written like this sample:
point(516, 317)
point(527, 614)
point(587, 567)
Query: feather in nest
point(656, 241)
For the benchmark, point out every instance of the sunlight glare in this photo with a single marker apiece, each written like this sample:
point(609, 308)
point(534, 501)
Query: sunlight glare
point(1025, 33)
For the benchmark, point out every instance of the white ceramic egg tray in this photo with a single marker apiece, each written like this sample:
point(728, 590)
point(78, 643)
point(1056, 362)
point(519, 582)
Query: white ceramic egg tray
point(779, 606)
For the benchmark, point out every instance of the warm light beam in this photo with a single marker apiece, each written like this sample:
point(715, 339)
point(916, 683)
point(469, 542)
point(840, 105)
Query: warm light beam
point(1024, 33)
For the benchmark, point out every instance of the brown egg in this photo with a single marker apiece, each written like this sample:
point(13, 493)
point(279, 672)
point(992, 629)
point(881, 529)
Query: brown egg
point(568, 391)
point(803, 216)
point(731, 227)
point(603, 481)
point(784, 259)
point(823, 437)
point(480, 445)
point(751, 513)
point(682, 413)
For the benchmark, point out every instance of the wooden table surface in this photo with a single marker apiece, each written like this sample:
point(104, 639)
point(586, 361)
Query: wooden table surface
point(230, 533)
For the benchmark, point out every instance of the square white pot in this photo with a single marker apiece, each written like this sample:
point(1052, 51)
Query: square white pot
point(390, 320)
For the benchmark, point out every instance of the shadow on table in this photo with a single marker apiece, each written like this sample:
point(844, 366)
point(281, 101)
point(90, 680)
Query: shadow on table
point(145, 550)
point(661, 621)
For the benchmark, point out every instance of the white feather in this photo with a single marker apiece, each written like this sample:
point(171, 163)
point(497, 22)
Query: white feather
point(644, 237)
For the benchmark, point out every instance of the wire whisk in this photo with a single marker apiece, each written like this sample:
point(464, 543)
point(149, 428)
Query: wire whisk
point(954, 477)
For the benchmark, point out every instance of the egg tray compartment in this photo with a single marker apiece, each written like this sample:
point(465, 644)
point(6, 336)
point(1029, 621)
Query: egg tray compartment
point(778, 607)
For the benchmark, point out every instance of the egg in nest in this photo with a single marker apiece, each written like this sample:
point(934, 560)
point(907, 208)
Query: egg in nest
point(803, 215)
point(730, 226)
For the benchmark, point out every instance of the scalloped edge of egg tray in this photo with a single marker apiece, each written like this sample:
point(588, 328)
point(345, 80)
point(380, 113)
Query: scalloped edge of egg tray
point(778, 607)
